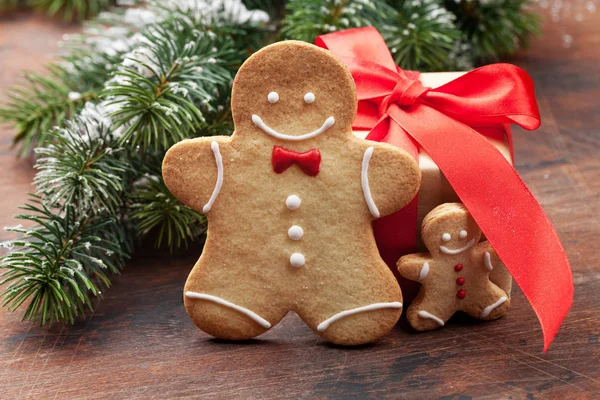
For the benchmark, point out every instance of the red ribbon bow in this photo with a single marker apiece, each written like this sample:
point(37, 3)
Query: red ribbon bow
point(308, 161)
point(397, 109)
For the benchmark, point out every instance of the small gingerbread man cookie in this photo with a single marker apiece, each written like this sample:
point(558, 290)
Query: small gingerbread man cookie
point(455, 274)
point(290, 198)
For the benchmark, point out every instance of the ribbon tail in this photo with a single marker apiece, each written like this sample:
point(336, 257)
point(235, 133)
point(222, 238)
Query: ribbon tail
point(503, 207)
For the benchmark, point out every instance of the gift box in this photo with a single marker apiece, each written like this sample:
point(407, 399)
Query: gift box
point(456, 126)
point(435, 188)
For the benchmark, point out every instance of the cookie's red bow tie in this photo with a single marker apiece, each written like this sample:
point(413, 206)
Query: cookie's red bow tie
point(308, 161)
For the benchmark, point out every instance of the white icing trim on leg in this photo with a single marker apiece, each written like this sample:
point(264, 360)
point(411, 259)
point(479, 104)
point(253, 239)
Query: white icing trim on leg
point(364, 180)
point(487, 260)
point(219, 161)
point(424, 271)
point(257, 318)
point(425, 314)
point(486, 311)
point(371, 307)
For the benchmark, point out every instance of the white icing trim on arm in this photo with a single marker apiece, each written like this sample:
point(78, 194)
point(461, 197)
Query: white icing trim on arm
point(446, 250)
point(364, 180)
point(487, 260)
point(371, 307)
point(486, 311)
point(424, 271)
point(219, 161)
point(272, 132)
point(425, 314)
point(257, 318)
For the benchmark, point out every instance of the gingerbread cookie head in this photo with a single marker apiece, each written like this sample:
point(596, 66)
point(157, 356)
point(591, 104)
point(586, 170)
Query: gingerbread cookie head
point(450, 229)
point(293, 91)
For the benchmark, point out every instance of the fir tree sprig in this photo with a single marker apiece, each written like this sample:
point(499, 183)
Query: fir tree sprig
point(59, 264)
point(307, 19)
point(41, 103)
point(422, 35)
point(72, 10)
point(157, 93)
point(92, 172)
point(494, 28)
point(156, 211)
point(82, 167)
point(45, 102)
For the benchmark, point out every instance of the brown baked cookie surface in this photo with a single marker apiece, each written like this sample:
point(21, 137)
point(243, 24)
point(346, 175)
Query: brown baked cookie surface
point(455, 274)
point(290, 198)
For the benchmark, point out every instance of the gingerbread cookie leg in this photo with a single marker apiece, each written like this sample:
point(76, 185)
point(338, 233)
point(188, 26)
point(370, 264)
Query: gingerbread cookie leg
point(230, 309)
point(354, 311)
point(227, 317)
point(491, 305)
point(426, 314)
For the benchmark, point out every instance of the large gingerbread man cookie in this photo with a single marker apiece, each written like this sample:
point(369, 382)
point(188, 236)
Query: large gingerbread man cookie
point(290, 198)
point(455, 274)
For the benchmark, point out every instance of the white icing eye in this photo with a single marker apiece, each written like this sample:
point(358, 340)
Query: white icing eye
point(273, 97)
point(309, 97)
point(462, 234)
point(446, 237)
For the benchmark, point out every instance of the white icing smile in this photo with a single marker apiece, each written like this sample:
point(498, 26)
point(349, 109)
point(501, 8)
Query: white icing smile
point(446, 250)
point(272, 132)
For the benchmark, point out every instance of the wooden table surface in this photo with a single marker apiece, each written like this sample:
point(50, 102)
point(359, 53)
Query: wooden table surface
point(140, 343)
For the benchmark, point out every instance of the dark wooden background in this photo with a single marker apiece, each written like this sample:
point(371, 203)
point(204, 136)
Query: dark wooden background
point(140, 343)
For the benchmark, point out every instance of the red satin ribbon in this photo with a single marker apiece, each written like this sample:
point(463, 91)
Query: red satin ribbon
point(397, 109)
point(309, 161)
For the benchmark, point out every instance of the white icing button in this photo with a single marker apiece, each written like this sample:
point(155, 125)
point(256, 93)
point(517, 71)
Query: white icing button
point(273, 97)
point(309, 97)
point(446, 237)
point(462, 234)
point(297, 260)
point(293, 202)
point(295, 232)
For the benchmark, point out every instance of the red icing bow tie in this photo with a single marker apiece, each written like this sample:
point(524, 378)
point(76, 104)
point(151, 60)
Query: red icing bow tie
point(308, 161)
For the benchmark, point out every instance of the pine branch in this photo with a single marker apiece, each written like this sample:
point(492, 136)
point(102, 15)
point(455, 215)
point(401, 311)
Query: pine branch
point(83, 167)
point(60, 263)
point(79, 237)
point(72, 10)
point(495, 28)
point(155, 210)
point(307, 19)
point(423, 36)
point(158, 94)
point(176, 79)
point(44, 103)
point(275, 9)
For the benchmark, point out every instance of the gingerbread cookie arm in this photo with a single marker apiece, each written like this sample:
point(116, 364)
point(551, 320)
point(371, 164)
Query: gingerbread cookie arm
point(487, 257)
point(193, 171)
point(415, 266)
point(390, 178)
